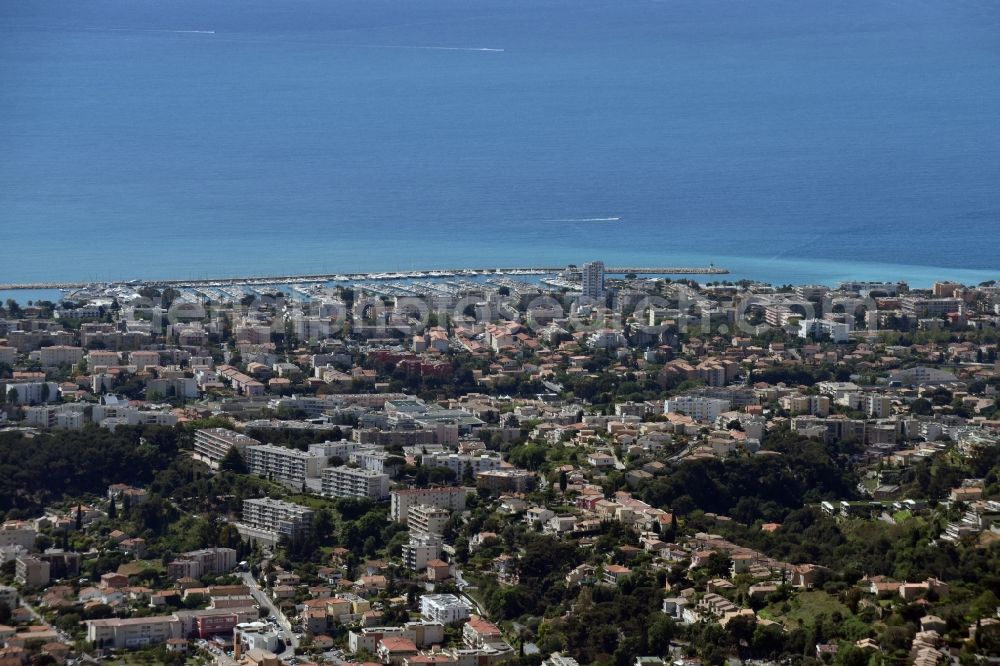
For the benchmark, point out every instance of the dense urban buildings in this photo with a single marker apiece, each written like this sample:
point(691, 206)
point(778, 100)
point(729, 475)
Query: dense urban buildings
point(714, 466)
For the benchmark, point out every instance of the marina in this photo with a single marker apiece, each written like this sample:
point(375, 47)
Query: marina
point(240, 286)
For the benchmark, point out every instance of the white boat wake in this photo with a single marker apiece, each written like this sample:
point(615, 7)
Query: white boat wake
point(482, 49)
point(161, 31)
point(586, 219)
point(166, 32)
point(417, 47)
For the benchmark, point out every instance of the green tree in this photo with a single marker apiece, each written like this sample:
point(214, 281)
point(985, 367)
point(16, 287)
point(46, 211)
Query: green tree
point(233, 462)
point(767, 641)
point(528, 456)
point(671, 534)
point(660, 633)
point(851, 655)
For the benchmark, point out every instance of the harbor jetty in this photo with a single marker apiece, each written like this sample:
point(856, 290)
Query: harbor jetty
point(353, 277)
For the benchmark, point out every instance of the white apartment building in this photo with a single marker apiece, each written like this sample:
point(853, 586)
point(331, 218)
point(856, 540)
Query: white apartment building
point(427, 519)
point(31, 393)
point(592, 280)
point(252, 334)
point(839, 390)
point(402, 500)
point(212, 560)
point(8, 355)
point(18, 536)
point(144, 359)
point(99, 358)
point(122, 413)
point(920, 375)
point(781, 314)
point(312, 328)
point(270, 519)
point(423, 634)
point(875, 405)
point(506, 480)
point(866, 288)
point(31, 571)
point(444, 608)
point(212, 444)
point(280, 463)
point(698, 408)
point(85, 311)
point(606, 338)
point(132, 633)
point(558, 659)
point(342, 449)
point(459, 463)
point(811, 292)
point(371, 458)
point(421, 549)
point(59, 355)
point(837, 331)
point(67, 417)
point(256, 636)
point(102, 382)
point(346, 481)
point(196, 362)
point(931, 307)
point(816, 405)
point(175, 387)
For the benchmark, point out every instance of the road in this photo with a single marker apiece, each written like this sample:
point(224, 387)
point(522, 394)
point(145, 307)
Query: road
point(461, 582)
point(63, 636)
point(291, 642)
point(463, 587)
point(688, 448)
point(619, 465)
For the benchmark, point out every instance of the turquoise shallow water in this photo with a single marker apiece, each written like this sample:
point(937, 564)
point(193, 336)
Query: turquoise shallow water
point(788, 140)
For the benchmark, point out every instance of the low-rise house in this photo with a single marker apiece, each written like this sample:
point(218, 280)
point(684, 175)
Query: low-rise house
point(438, 570)
point(615, 573)
point(478, 632)
point(582, 574)
point(394, 649)
point(600, 460)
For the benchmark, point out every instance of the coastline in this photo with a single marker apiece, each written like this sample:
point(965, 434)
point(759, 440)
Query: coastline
point(776, 272)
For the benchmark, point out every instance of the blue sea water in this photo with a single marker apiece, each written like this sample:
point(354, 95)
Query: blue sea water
point(788, 140)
